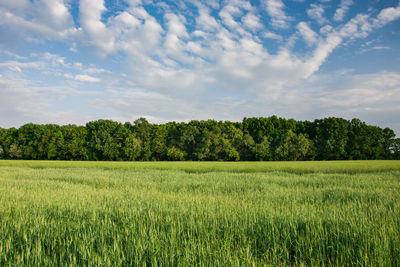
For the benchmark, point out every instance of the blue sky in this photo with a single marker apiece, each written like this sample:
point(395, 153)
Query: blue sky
point(74, 61)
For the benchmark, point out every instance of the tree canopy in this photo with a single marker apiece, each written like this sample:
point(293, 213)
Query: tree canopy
point(253, 139)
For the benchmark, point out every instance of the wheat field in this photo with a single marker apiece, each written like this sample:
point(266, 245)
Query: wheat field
point(199, 214)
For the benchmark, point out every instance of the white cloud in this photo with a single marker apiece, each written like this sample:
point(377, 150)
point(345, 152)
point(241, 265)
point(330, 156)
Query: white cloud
point(227, 16)
point(18, 66)
point(343, 9)
point(15, 68)
point(271, 35)
point(90, 18)
point(14, 3)
point(320, 54)
point(206, 22)
point(386, 16)
point(126, 20)
point(275, 9)
point(87, 78)
point(54, 13)
point(22, 101)
point(49, 19)
point(358, 27)
point(136, 101)
point(176, 32)
point(373, 48)
point(316, 12)
point(326, 29)
point(310, 37)
point(365, 92)
point(96, 70)
point(252, 22)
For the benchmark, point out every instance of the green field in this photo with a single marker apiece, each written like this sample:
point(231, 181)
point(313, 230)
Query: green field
point(199, 213)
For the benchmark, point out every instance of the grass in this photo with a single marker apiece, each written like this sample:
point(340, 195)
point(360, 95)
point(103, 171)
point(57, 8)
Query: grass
point(181, 214)
point(299, 167)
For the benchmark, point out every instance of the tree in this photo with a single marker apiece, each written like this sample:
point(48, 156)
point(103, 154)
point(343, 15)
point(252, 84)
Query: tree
point(368, 142)
point(51, 144)
point(214, 144)
point(3, 135)
point(132, 147)
point(331, 138)
point(292, 147)
point(261, 150)
point(15, 152)
point(29, 136)
point(158, 142)
point(7, 138)
point(105, 139)
point(142, 130)
point(246, 148)
point(175, 154)
point(270, 138)
point(395, 149)
point(189, 138)
point(75, 142)
point(227, 151)
point(388, 142)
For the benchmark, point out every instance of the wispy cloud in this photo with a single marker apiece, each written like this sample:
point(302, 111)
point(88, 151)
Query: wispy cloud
point(87, 78)
point(310, 37)
point(386, 16)
point(18, 66)
point(373, 48)
point(342, 10)
point(316, 12)
point(275, 8)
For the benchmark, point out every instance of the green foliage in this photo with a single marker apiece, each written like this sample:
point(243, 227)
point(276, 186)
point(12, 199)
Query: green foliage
point(254, 139)
point(75, 142)
point(293, 147)
point(132, 147)
point(246, 148)
point(29, 136)
point(395, 149)
point(261, 150)
point(367, 141)
point(51, 144)
point(332, 137)
point(105, 139)
point(142, 129)
point(158, 144)
point(55, 213)
point(189, 138)
point(175, 154)
point(14, 152)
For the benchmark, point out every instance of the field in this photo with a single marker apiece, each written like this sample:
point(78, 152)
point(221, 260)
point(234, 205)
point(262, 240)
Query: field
point(199, 213)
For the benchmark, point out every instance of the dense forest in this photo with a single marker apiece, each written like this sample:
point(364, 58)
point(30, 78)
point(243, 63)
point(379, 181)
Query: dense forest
point(270, 138)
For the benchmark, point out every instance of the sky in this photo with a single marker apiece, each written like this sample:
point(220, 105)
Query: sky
point(74, 61)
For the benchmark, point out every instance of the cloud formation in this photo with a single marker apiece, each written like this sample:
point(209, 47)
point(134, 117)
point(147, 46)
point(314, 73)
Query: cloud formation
point(316, 12)
point(219, 59)
point(87, 78)
point(342, 10)
point(275, 8)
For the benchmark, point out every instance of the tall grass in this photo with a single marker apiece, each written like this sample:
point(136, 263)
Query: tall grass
point(300, 167)
point(109, 214)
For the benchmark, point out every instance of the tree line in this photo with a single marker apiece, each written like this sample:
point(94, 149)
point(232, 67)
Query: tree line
point(253, 139)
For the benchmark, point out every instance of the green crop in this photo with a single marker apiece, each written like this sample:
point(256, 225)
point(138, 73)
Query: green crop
point(202, 214)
